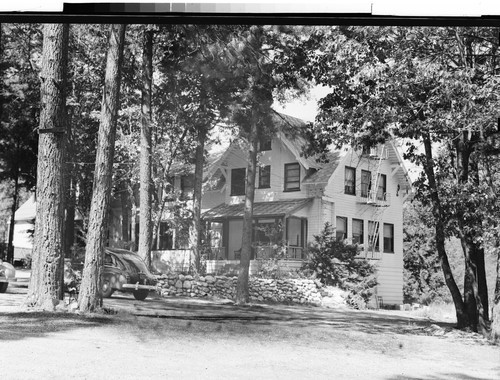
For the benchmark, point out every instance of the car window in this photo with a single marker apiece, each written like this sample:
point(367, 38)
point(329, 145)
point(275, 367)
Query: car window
point(108, 260)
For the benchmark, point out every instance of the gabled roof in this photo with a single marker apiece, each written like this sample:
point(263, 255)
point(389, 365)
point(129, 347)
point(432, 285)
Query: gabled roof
point(274, 208)
point(323, 174)
point(27, 211)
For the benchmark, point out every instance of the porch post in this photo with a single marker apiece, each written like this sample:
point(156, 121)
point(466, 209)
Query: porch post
point(285, 234)
point(225, 237)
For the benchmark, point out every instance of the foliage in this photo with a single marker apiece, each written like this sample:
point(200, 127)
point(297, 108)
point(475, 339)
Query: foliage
point(423, 278)
point(336, 263)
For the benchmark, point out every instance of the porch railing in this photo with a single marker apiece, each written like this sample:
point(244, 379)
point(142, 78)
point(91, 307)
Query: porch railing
point(259, 252)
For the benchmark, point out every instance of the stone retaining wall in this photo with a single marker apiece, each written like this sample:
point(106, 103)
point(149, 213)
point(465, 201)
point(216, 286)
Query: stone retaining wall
point(300, 291)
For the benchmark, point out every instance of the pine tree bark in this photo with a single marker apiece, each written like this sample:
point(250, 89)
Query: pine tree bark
point(145, 225)
point(45, 284)
point(242, 292)
point(90, 298)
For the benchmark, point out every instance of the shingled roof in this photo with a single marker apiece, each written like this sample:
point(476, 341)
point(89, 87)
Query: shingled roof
point(274, 208)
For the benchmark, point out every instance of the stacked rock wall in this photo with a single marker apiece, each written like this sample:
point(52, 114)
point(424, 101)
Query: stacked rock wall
point(286, 290)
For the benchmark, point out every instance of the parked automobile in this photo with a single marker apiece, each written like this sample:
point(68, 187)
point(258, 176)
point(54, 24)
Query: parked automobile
point(126, 271)
point(7, 274)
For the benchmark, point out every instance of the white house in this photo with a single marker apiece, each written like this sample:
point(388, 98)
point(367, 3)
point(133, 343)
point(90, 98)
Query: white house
point(361, 194)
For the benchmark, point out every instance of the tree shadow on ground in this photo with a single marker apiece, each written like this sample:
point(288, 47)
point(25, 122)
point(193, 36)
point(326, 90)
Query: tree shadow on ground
point(20, 325)
point(265, 314)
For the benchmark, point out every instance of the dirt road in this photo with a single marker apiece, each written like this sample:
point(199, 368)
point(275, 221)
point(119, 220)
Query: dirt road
point(177, 339)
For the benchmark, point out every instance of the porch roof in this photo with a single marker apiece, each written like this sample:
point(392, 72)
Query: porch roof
point(260, 209)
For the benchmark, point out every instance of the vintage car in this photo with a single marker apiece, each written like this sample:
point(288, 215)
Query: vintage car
point(7, 274)
point(126, 271)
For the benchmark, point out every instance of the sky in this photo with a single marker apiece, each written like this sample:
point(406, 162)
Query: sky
point(305, 109)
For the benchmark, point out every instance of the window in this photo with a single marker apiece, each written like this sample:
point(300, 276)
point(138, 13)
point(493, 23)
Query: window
point(373, 236)
point(382, 187)
point(265, 177)
point(358, 231)
point(388, 238)
point(165, 237)
point(238, 181)
point(292, 177)
point(264, 144)
point(350, 181)
point(187, 186)
point(366, 183)
point(341, 228)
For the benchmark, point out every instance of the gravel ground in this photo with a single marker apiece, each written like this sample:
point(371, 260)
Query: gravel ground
point(176, 339)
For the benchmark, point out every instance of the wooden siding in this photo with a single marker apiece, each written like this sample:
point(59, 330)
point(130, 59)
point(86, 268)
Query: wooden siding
point(390, 266)
point(276, 158)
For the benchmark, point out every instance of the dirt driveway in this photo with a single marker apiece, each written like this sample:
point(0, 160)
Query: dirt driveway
point(177, 339)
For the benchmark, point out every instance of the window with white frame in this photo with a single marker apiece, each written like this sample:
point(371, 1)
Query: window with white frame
point(388, 238)
point(341, 228)
point(366, 183)
point(358, 231)
point(350, 181)
point(382, 187)
point(238, 181)
point(373, 235)
point(292, 177)
point(265, 177)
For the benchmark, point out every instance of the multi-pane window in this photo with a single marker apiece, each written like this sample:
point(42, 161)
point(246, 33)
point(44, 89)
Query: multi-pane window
point(292, 177)
point(358, 231)
point(366, 183)
point(341, 228)
point(373, 236)
point(388, 238)
point(350, 181)
point(265, 177)
point(382, 187)
point(238, 181)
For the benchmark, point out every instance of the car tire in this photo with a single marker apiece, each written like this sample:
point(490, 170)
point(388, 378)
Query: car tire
point(3, 287)
point(106, 290)
point(140, 294)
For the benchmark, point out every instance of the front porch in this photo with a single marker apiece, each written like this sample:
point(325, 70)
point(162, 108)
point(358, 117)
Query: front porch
point(278, 232)
point(182, 260)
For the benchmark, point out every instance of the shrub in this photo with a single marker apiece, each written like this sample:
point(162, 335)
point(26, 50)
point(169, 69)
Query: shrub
point(336, 263)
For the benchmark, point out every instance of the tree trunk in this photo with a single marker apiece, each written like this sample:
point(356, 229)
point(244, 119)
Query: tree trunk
point(125, 206)
point(242, 293)
point(145, 226)
point(495, 317)
point(10, 243)
point(195, 236)
point(69, 178)
point(44, 288)
point(90, 298)
point(475, 295)
point(462, 318)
